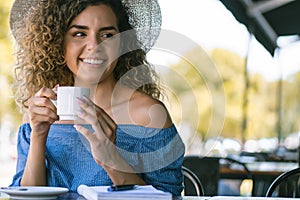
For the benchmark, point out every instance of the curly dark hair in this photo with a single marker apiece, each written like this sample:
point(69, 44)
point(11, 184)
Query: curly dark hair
point(40, 54)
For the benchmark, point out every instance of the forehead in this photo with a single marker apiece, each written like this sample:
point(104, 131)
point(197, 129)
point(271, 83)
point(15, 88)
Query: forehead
point(96, 14)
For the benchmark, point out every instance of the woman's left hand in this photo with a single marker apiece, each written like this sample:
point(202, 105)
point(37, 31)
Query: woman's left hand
point(103, 139)
point(102, 143)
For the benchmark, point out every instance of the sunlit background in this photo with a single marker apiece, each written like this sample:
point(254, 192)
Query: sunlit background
point(268, 122)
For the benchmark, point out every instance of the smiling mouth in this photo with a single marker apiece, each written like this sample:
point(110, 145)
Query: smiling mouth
point(93, 61)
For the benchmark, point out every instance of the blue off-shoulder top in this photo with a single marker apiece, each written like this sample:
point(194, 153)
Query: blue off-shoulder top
point(155, 154)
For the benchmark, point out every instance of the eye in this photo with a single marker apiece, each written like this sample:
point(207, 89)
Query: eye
point(79, 34)
point(106, 35)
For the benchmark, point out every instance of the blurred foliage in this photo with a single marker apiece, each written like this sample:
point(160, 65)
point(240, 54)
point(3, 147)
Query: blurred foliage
point(194, 98)
point(290, 104)
point(8, 108)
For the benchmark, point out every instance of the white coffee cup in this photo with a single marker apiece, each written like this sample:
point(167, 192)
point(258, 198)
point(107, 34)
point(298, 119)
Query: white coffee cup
point(67, 106)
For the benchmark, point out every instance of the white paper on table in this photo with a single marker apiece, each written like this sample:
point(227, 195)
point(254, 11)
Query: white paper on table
point(140, 192)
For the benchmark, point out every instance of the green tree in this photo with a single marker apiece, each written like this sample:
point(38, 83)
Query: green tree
point(290, 104)
point(262, 112)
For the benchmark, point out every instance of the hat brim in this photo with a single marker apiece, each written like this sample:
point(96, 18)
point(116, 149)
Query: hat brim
point(19, 10)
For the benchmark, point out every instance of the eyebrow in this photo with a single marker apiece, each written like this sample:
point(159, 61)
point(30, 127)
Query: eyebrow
point(86, 27)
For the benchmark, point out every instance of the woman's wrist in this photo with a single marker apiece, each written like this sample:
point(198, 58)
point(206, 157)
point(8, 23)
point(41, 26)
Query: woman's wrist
point(122, 177)
point(38, 139)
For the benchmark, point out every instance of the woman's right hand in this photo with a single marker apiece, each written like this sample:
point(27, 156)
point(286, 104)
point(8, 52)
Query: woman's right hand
point(42, 112)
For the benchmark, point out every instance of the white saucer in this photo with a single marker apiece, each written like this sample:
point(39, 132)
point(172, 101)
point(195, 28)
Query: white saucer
point(33, 192)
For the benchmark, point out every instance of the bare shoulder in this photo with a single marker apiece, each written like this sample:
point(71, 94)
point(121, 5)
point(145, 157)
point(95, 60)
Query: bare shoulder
point(149, 112)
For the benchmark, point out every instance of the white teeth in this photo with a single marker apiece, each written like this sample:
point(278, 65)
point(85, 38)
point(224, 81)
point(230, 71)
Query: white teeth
point(93, 61)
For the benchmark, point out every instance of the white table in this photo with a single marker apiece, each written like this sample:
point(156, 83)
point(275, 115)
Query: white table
point(235, 198)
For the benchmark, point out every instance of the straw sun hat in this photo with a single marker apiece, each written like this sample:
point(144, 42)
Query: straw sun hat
point(144, 17)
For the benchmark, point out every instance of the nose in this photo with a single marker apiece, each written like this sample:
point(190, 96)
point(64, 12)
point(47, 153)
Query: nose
point(93, 42)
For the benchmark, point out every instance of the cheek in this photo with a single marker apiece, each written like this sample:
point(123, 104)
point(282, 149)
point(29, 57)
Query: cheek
point(71, 54)
point(114, 50)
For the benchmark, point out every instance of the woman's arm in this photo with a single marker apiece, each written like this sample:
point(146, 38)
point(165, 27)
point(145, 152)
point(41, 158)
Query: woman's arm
point(119, 177)
point(106, 155)
point(35, 169)
point(41, 114)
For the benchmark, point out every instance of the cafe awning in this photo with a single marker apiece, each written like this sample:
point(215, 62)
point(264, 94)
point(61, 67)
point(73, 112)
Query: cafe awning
point(267, 19)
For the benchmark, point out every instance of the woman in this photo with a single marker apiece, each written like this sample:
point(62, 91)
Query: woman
point(129, 137)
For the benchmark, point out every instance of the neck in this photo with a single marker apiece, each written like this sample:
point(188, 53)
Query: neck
point(101, 93)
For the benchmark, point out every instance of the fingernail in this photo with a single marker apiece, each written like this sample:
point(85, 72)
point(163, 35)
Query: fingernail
point(80, 100)
point(85, 97)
